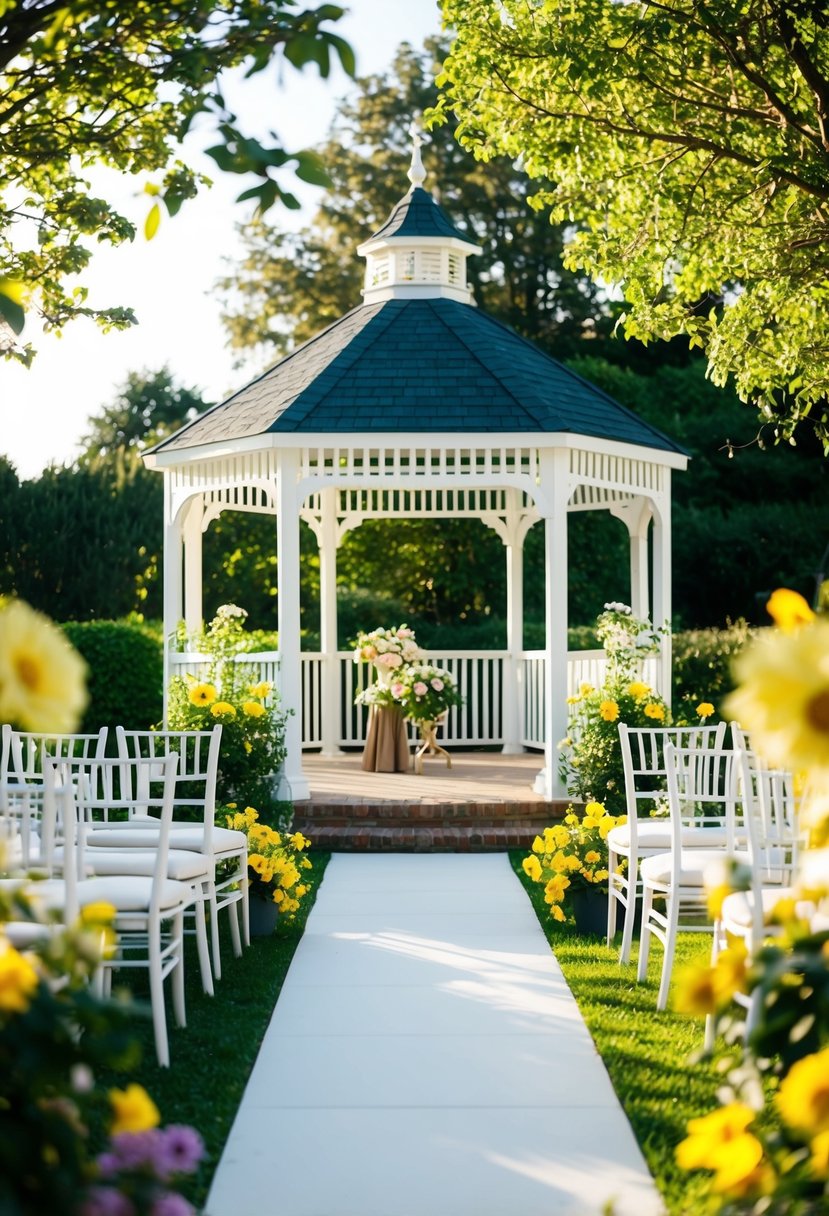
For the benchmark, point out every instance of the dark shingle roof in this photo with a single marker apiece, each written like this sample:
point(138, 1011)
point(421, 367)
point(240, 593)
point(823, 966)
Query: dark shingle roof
point(417, 214)
point(419, 365)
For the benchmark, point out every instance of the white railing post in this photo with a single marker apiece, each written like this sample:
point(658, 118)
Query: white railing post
point(290, 672)
point(330, 691)
point(555, 483)
point(172, 586)
point(513, 665)
point(192, 535)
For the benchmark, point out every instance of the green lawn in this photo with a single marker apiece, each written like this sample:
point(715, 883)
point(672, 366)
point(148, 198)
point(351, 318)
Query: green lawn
point(648, 1054)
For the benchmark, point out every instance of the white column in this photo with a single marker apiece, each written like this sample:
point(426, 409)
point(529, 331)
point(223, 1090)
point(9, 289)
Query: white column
point(290, 668)
point(171, 581)
point(513, 666)
point(192, 534)
point(555, 486)
point(331, 693)
point(662, 577)
point(638, 528)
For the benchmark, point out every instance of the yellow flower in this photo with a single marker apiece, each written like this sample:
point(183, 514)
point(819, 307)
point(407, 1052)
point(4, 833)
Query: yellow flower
point(573, 700)
point(299, 841)
point(532, 867)
point(572, 863)
point(783, 696)
point(695, 991)
point(300, 891)
point(592, 857)
point(595, 810)
point(223, 709)
point(788, 609)
point(539, 846)
point(133, 1110)
point(609, 710)
point(261, 690)
point(42, 679)
point(278, 896)
point(99, 913)
point(247, 745)
point(555, 888)
point(202, 694)
point(253, 709)
point(803, 1097)
point(557, 913)
point(655, 711)
point(638, 690)
point(18, 980)
point(705, 709)
point(820, 1155)
point(720, 1142)
point(306, 863)
point(586, 689)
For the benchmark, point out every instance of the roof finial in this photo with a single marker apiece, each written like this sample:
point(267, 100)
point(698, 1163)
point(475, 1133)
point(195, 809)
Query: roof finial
point(416, 174)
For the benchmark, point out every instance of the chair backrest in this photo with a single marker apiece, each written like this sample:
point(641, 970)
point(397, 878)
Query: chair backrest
point(74, 793)
point(198, 768)
point(27, 750)
point(773, 831)
point(703, 787)
point(643, 762)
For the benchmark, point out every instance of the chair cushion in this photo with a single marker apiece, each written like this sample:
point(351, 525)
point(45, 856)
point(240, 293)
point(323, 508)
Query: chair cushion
point(656, 870)
point(190, 838)
point(131, 893)
point(737, 908)
point(182, 865)
point(655, 834)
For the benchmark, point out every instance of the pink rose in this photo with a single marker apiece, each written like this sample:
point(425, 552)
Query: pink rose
point(420, 689)
point(389, 660)
point(437, 684)
point(398, 689)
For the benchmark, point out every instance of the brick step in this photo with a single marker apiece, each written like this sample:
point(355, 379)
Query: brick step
point(482, 836)
point(391, 814)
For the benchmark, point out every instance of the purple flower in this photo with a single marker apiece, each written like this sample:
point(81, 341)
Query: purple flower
point(171, 1204)
point(181, 1149)
point(106, 1201)
point(137, 1150)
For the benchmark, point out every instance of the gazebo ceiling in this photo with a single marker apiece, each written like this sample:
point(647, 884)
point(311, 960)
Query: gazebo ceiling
point(418, 366)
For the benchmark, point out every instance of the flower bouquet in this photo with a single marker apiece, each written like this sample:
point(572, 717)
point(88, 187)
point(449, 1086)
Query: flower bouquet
point(425, 693)
point(572, 857)
point(388, 650)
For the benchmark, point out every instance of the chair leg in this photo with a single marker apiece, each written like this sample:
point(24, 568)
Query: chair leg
point(710, 1036)
point(214, 932)
point(201, 945)
point(233, 915)
point(670, 949)
point(645, 938)
point(632, 881)
point(178, 972)
point(245, 911)
point(612, 897)
point(162, 1047)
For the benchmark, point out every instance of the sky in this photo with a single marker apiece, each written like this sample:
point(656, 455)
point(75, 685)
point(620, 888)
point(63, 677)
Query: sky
point(169, 281)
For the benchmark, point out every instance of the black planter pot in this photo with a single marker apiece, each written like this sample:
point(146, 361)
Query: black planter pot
point(590, 911)
point(264, 914)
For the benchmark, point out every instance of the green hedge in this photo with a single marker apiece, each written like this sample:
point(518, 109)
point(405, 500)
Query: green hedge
point(126, 672)
point(702, 664)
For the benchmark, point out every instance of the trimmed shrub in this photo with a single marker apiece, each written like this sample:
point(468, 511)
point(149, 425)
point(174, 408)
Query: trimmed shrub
point(702, 664)
point(126, 673)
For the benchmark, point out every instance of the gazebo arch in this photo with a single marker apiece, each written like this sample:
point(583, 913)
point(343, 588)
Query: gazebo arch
point(417, 404)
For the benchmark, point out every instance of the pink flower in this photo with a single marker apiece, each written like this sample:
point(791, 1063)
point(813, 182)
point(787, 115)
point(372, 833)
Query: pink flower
point(389, 660)
point(369, 653)
point(397, 689)
point(437, 684)
point(420, 689)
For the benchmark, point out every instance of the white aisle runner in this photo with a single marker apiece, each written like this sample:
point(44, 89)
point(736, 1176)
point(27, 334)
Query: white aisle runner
point(426, 1058)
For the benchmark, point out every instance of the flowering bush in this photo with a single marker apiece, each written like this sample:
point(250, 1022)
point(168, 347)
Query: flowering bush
point(387, 649)
point(776, 1161)
point(253, 726)
point(626, 640)
point(424, 692)
point(572, 856)
point(277, 869)
point(591, 755)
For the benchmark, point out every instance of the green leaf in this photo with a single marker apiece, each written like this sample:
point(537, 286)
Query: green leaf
point(311, 169)
point(11, 306)
point(152, 221)
point(346, 54)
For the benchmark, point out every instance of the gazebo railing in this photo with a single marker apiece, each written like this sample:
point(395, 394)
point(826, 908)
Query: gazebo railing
point(479, 674)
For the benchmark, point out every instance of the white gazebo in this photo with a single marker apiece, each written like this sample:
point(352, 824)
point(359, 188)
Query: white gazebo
point(416, 404)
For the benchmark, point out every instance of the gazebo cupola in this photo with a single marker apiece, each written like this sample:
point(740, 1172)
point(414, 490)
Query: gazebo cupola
point(418, 253)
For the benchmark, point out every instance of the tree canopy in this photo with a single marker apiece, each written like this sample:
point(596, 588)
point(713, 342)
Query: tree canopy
point(689, 139)
point(290, 285)
point(118, 83)
point(149, 406)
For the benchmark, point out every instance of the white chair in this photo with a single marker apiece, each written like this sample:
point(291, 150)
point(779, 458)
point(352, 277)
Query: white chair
point(225, 851)
point(149, 921)
point(774, 840)
point(701, 783)
point(21, 777)
point(643, 760)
